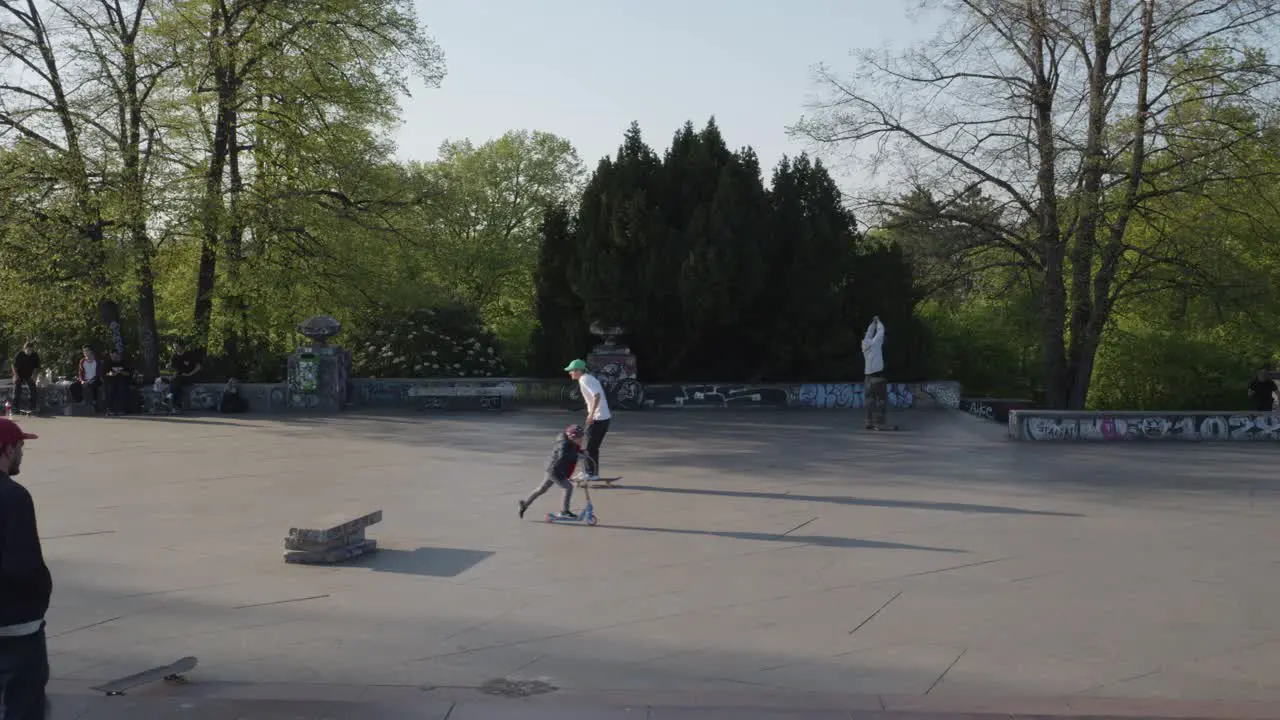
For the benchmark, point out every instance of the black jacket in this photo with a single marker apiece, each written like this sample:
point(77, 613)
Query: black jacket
point(564, 458)
point(25, 365)
point(25, 583)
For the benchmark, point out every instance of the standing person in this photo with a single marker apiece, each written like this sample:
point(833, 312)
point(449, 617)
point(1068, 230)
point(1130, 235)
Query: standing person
point(598, 414)
point(119, 382)
point(25, 588)
point(88, 385)
point(25, 366)
point(185, 364)
point(564, 457)
point(1263, 392)
point(875, 387)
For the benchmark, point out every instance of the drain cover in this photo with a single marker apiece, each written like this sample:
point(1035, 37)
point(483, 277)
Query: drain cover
point(516, 688)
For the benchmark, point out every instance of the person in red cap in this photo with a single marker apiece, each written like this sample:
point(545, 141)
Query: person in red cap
point(25, 588)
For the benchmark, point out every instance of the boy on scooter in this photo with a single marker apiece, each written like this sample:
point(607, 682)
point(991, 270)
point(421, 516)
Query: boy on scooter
point(564, 458)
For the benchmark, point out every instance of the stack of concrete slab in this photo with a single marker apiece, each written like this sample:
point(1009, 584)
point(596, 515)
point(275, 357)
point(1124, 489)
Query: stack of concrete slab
point(331, 540)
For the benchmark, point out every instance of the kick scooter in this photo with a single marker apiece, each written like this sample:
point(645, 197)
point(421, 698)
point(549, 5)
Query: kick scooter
point(588, 514)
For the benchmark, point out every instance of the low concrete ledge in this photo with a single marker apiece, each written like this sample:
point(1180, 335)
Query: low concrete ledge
point(1083, 425)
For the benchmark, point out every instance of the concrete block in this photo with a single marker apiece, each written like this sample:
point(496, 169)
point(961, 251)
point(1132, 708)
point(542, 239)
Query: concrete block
point(295, 543)
point(334, 527)
point(329, 557)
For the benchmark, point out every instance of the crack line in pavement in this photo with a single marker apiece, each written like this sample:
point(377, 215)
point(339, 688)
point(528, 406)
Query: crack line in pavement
point(280, 602)
point(954, 567)
point(667, 616)
point(76, 535)
point(872, 616)
point(806, 522)
point(522, 667)
point(944, 672)
point(86, 627)
point(151, 593)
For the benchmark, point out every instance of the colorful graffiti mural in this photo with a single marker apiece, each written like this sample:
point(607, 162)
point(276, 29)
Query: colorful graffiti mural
point(1039, 425)
point(850, 396)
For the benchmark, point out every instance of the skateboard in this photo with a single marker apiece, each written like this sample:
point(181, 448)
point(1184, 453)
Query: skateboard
point(171, 673)
point(608, 481)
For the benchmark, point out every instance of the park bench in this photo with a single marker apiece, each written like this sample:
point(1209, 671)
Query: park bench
point(331, 539)
point(429, 398)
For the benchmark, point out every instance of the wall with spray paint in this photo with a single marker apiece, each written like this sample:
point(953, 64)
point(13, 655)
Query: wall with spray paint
point(410, 392)
point(1050, 425)
point(993, 409)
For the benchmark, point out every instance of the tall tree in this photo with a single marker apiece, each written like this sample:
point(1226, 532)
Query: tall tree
point(1067, 115)
point(270, 67)
point(480, 226)
point(561, 331)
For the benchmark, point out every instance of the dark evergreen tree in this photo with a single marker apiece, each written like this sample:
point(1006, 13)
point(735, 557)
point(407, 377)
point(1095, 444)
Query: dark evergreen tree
point(716, 278)
point(561, 332)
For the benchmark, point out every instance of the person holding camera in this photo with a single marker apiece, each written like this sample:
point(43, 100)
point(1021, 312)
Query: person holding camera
point(876, 386)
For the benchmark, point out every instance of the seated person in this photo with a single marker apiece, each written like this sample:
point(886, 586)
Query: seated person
point(119, 384)
point(88, 384)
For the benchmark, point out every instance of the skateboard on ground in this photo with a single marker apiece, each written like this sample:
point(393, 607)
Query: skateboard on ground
point(171, 673)
point(606, 481)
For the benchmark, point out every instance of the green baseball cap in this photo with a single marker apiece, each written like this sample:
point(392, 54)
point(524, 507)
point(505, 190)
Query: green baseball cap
point(576, 365)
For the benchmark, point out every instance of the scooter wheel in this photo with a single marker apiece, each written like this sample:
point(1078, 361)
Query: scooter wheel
point(591, 520)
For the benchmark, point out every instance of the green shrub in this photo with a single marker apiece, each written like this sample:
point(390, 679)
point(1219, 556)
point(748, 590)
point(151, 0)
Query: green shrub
point(448, 342)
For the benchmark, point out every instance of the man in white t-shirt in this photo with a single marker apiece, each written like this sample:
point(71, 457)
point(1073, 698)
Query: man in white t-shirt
point(597, 414)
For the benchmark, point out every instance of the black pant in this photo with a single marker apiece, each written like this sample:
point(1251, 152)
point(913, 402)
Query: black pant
point(87, 392)
point(178, 384)
point(33, 402)
point(595, 437)
point(24, 673)
point(118, 387)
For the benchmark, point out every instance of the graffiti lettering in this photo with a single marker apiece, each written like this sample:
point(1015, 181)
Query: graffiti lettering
point(1046, 425)
point(711, 395)
point(944, 394)
point(849, 396)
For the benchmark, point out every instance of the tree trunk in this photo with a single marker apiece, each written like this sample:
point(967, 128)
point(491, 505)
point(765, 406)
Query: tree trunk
point(135, 209)
point(1104, 280)
point(237, 312)
point(214, 207)
point(1054, 299)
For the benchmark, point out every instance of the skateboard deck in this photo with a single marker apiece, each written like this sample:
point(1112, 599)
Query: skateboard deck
point(171, 673)
point(607, 480)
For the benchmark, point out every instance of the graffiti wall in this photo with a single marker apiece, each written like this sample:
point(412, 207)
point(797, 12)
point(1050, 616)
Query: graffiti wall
point(993, 409)
point(627, 394)
point(52, 398)
point(1044, 425)
point(717, 395)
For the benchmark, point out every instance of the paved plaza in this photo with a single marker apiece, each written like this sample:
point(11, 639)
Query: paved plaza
point(743, 554)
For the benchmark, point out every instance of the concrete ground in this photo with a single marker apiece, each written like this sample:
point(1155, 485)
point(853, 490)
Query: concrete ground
point(744, 553)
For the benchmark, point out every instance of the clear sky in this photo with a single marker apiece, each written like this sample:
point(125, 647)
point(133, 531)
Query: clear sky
point(584, 69)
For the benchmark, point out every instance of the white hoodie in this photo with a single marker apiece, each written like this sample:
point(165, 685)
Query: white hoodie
point(872, 343)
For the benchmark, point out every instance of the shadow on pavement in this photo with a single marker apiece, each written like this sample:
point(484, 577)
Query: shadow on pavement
point(819, 540)
point(425, 561)
point(859, 502)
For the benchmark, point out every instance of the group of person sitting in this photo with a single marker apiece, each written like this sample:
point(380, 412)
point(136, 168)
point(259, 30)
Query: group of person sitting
point(106, 384)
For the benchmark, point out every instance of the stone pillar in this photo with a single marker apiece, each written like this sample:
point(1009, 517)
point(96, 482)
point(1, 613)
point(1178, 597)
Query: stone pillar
point(319, 372)
point(615, 366)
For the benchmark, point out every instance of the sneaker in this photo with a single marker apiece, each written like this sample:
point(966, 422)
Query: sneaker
point(523, 506)
point(568, 515)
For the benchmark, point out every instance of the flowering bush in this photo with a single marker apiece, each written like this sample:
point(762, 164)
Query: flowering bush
point(445, 342)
